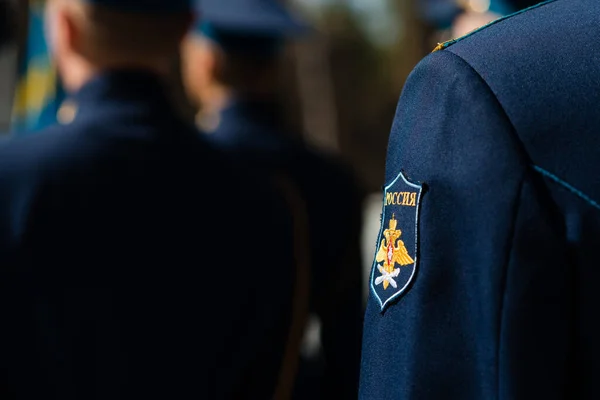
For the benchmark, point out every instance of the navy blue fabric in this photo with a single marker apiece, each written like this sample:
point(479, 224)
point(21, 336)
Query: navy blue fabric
point(147, 6)
point(250, 17)
point(502, 127)
point(136, 260)
point(254, 131)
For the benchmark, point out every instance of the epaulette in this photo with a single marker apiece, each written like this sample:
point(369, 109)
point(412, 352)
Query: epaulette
point(446, 44)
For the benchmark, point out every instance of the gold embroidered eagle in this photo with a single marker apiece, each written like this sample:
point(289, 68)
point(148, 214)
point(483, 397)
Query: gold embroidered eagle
point(391, 252)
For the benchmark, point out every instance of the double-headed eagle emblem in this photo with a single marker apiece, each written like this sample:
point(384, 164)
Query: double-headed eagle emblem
point(391, 252)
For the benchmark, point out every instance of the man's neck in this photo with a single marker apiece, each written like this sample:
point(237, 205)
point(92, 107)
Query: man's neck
point(75, 75)
point(80, 72)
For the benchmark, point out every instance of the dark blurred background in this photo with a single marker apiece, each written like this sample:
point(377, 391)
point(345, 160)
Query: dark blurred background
point(343, 80)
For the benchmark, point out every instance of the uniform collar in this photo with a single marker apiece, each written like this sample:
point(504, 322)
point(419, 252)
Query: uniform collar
point(116, 91)
point(251, 124)
point(255, 112)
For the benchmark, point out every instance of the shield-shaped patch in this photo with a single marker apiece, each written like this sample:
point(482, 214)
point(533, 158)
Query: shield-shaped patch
point(395, 261)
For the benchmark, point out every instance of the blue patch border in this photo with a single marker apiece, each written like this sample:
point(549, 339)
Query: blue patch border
point(383, 305)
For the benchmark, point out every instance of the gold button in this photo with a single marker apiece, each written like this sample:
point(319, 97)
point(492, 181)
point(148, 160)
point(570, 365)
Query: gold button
point(67, 112)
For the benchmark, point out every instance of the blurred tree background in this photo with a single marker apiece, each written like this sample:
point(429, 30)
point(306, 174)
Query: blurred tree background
point(349, 74)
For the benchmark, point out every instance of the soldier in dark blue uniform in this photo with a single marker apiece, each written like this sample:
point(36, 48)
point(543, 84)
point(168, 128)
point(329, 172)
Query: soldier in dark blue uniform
point(484, 284)
point(230, 68)
point(136, 261)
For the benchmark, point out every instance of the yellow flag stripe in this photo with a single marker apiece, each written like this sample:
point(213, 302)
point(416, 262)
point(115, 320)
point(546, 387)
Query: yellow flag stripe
point(35, 89)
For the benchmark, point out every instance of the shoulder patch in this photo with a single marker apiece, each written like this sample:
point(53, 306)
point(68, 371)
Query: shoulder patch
point(445, 45)
point(395, 261)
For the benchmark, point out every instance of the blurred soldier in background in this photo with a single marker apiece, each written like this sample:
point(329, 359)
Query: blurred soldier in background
point(137, 261)
point(440, 14)
point(231, 68)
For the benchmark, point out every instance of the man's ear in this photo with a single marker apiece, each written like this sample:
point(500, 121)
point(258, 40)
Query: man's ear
point(70, 21)
point(211, 58)
point(200, 61)
point(216, 61)
point(60, 28)
point(51, 26)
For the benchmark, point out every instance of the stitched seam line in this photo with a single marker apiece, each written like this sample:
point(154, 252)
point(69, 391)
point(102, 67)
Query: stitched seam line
point(568, 186)
point(512, 236)
point(522, 153)
point(494, 22)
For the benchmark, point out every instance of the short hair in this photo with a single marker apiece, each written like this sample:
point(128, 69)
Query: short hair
point(111, 33)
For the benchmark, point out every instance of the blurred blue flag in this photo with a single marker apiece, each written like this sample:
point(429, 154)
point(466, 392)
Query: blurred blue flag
point(38, 94)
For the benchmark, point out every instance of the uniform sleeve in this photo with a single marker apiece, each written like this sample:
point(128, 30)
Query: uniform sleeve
point(479, 318)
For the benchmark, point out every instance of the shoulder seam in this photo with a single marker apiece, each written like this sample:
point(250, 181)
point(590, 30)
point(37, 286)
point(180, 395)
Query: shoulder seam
point(445, 45)
point(567, 186)
point(521, 147)
point(483, 81)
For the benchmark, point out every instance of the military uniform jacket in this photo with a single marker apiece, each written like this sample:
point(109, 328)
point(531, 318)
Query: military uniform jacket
point(254, 131)
point(134, 263)
point(497, 136)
